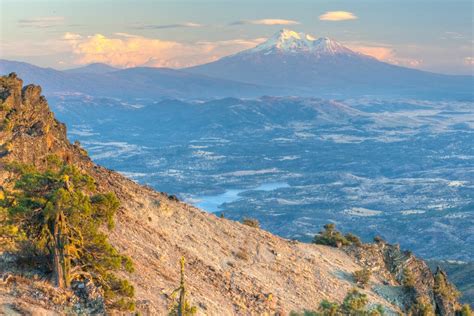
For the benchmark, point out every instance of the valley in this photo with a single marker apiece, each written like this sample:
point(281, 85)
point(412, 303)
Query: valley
point(401, 169)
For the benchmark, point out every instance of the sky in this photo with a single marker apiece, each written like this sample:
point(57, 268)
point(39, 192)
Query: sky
point(431, 35)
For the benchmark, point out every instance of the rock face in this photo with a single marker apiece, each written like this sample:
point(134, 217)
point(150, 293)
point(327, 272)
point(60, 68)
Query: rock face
point(232, 269)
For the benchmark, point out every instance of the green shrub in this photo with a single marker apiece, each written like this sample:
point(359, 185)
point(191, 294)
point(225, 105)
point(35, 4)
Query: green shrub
point(331, 237)
point(408, 279)
point(465, 310)
point(422, 307)
point(353, 239)
point(362, 277)
point(354, 304)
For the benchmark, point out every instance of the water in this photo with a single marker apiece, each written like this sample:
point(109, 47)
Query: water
point(212, 203)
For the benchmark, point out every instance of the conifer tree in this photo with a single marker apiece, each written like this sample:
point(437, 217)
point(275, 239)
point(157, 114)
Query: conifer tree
point(182, 307)
point(62, 218)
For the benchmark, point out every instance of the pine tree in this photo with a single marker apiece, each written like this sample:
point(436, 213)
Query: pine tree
point(62, 218)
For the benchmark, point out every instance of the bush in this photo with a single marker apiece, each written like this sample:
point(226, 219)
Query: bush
point(465, 310)
point(408, 280)
point(422, 307)
point(331, 237)
point(362, 277)
point(252, 222)
point(353, 239)
point(355, 303)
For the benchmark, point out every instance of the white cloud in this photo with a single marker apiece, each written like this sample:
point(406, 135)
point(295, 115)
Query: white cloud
point(167, 26)
point(41, 22)
point(127, 50)
point(384, 52)
point(337, 16)
point(267, 22)
point(469, 61)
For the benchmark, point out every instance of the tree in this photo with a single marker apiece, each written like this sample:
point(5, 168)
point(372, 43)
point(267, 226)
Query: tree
point(62, 217)
point(181, 307)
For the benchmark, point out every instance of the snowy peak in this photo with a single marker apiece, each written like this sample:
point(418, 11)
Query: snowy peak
point(288, 41)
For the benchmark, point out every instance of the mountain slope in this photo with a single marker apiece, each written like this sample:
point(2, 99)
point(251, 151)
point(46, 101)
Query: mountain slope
point(323, 66)
point(231, 268)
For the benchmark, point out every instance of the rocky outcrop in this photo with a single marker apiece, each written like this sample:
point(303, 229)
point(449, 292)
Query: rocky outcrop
point(232, 269)
point(393, 264)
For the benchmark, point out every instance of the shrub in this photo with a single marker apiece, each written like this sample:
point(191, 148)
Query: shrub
point(408, 280)
point(331, 237)
point(422, 307)
point(252, 222)
point(353, 239)
point(465, 310)
point(362, 277)
point(355, 303)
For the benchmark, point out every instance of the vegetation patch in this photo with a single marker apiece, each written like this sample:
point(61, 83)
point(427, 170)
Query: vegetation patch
point(56, 219)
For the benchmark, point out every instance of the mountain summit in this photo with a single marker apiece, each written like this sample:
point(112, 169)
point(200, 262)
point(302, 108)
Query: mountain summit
point(288, 41)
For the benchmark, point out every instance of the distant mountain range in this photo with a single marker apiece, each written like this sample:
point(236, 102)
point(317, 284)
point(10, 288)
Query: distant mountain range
point(289, 63)
point(139, 82)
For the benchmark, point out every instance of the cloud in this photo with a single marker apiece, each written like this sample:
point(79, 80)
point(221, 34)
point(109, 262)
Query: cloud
point(385, 53)
point(469, 61)
point(167, 26)
point(266, 22)
point(452, 36)
point(337, 16)
point(42, 22)
point(127, 50)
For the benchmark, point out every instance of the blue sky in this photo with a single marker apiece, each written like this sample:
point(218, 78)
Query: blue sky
point(430, 35)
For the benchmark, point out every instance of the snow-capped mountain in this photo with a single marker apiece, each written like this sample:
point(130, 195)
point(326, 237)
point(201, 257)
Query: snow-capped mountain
point(311, 66)
point(290, 42)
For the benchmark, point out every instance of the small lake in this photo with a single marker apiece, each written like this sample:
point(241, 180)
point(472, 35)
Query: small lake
point(212, 203)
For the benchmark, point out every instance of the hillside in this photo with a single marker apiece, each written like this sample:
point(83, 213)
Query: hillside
point(231, 268)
